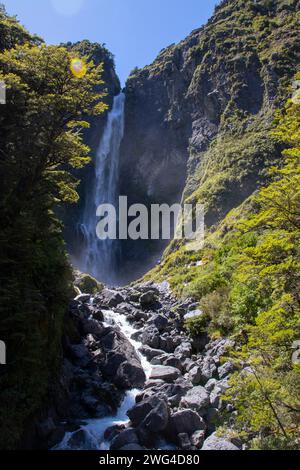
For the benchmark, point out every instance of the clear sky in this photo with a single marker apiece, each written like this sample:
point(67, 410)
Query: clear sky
point(133, 30)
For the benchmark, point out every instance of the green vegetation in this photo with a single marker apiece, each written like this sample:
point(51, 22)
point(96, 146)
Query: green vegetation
point(248, 285)
point(40, 135)
point(87, 284)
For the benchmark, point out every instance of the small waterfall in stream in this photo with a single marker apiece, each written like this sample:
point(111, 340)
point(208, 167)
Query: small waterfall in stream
point(100, 257)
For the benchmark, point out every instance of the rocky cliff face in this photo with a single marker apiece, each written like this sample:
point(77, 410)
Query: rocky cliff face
point(197, 119)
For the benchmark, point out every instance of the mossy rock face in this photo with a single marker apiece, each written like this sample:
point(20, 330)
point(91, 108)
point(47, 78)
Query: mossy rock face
point(87, 284)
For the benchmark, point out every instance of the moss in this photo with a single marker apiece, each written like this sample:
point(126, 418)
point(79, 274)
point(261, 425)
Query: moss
point(87, 284)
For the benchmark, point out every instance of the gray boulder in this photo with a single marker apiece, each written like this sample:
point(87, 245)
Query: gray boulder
point(186, 421)
point(166, 373)
point(151, 337)
point(226, 369)
point(111, 298)
point(208, 369)
point(160, 322)
point(196, 399)
point(214, 442)
point(150, 353)
point(184, 350)
point(195, 375)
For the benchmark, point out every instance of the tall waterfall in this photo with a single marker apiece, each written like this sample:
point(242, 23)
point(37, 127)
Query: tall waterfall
point(99, 257)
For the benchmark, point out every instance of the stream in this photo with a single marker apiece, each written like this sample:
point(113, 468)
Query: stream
point(94, 429)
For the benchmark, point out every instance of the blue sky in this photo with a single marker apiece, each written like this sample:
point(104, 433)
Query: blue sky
point(133, 30)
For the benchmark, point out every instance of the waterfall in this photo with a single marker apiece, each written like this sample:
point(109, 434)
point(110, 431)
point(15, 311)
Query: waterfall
point(100, 257)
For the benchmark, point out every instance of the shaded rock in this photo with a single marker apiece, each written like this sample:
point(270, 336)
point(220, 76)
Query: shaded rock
point(184, 441)
point(210, 385)
point(124, 438)
point(160, 322)
point(215, 395)
point(98, 315)
point(113, 431)
point(148, 298)
point(151, 337)
point(92, 327)
point(119, 360)
point(186, 421)
point(172, 361)
point(157, 420)
point(45, 428)
point(81, 441)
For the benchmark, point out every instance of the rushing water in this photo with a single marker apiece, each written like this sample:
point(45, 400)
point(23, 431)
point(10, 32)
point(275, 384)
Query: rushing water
point(100, 257)
point(94, 429)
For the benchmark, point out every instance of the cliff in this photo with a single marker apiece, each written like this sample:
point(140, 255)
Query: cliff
point(197, 119)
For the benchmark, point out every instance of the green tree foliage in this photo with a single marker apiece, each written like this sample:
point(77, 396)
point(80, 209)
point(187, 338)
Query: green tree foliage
point(40, 136)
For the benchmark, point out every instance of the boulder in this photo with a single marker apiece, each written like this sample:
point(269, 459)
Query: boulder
point(184, 350)
point(150, 353)
point(151, 337)
point(166, 373)
point(148, 298)
point(124, 438)
point(196, 399)
point(195, 375)
point(184, 441)
point(172, 361)
point(186, 421)
point(160, 322)
point(119, 361)
point(98, 315)
point(92, 327)
point(111, 298)
point(157, 420)
point(216, 393)
point(208, 369)
point(142, 410)
point(226, 369)
point(214, 442)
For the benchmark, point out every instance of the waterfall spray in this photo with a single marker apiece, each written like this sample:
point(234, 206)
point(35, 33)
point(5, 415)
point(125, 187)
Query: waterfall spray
point(100, 257)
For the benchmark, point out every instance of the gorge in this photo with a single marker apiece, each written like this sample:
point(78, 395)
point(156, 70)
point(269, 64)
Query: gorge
point(153, 344)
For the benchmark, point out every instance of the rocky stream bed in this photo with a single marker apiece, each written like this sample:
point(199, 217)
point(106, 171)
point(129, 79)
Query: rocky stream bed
point(132, 379)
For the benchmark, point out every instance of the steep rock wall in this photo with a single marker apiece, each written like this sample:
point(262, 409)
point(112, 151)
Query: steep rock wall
point(197, 119)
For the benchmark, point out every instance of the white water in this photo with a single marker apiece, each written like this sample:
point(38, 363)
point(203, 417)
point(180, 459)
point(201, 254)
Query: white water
point(94, 429)
point(100, 257)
